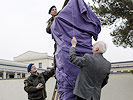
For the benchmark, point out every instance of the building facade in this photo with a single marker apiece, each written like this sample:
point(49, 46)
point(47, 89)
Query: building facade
point(122, 67)
point(11, 69)
point(18, 67)
point(40, 60)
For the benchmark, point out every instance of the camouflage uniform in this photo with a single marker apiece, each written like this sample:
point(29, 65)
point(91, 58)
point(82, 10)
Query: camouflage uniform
point(50, 21)
point(33, 80)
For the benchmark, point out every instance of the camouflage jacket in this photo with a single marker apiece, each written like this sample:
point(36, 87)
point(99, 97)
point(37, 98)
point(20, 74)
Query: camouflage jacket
point(33, 80)
point(50, 21)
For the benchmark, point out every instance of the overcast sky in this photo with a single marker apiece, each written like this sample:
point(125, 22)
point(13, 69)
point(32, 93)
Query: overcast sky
point(22, 28)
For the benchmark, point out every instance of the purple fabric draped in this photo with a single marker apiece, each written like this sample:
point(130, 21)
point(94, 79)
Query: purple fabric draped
point(75, 19)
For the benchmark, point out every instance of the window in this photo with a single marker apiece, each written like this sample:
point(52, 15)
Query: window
point(40, 65)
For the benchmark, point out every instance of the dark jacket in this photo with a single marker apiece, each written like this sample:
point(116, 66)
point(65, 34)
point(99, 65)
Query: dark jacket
point(93, 74)
point(50, 21)
point(33, 80)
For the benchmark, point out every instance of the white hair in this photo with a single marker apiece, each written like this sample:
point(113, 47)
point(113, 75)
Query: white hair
point(101, 46)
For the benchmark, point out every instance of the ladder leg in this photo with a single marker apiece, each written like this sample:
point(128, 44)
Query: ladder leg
point(54, 93)
point(57, 95)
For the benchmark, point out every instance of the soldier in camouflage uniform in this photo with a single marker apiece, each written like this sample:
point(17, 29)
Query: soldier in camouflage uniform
point(53, 12)
point(35, 83)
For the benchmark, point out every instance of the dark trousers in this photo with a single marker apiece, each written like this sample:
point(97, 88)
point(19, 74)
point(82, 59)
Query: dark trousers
point(79, 98)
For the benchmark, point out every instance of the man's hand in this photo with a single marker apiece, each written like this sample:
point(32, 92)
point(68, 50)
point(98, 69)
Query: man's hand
point(39, 86)
point(73, 42)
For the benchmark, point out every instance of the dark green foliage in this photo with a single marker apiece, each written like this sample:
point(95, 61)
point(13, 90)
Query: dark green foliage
point(120, 14)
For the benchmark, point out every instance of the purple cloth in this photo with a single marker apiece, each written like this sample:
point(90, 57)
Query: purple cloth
point(75, 19)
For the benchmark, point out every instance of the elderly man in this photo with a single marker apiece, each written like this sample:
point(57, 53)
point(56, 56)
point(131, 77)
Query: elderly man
point(35, 83)
point(93, 74)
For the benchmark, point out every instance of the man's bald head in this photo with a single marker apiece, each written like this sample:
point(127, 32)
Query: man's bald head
point(99, 47)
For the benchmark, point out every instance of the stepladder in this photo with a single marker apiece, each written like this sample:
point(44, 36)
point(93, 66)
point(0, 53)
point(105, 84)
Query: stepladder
point(55, 93)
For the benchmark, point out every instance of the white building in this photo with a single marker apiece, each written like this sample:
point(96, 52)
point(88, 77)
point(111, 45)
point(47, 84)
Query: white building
point(122, 67)
point(40, 60)
point(11, 69)
point(18, 67)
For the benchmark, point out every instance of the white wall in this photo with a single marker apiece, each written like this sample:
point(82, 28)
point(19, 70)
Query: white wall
point(14, 89)
point(120, 87)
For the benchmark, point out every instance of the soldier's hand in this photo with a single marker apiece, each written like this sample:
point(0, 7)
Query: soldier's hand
point(39, 86)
